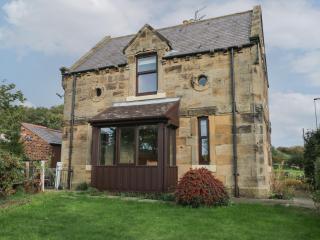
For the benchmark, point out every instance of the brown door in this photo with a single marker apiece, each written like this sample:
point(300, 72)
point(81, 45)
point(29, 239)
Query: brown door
point(56, 155)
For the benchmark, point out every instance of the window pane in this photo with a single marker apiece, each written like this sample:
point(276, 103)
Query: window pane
point(148, 145)
point(171, 147)
point(203, 127)
point(107, 145)
point(127, 145)
point(205, 150)
point(147, 83)
point(147, 64)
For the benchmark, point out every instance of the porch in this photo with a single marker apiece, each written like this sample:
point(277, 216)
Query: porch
point(133, 147)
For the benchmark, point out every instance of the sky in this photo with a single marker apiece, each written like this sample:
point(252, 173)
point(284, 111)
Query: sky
point(37, 37)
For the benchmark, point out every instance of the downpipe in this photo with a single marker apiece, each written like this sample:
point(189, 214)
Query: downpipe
point(71, 130)
point(234, 125)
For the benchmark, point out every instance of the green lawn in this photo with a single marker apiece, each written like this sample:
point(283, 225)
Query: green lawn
point(80, 216)
point(293, 173)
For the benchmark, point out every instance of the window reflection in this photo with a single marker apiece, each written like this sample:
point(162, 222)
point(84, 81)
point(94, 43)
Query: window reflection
point(148, 145)
point(127, 145)
point(107, 145)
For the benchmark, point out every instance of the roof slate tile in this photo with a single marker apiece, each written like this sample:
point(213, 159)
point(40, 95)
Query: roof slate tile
point(205, 35)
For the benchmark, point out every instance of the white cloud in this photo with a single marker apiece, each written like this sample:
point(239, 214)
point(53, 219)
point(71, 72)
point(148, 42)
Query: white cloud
point(292, 24)
point(67, 27)
point(308, 65)
point(73, 26)
point(290, 113)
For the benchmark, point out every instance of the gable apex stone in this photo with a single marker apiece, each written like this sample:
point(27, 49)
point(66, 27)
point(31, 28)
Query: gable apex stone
point(142, 31)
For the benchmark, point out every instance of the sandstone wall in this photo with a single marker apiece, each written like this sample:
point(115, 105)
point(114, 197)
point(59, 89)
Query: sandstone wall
point(177, 78)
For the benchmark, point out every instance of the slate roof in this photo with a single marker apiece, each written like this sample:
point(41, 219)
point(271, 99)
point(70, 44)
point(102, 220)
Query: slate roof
point(51, 136)
point(205, 35)
point(149, 111)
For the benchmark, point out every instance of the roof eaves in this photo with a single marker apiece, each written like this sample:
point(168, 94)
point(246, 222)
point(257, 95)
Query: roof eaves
point(28, 126)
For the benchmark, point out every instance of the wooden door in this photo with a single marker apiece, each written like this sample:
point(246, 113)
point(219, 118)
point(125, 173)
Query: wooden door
point(56, 155)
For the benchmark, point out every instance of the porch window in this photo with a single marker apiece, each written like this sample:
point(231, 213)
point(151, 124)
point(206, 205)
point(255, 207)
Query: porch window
point(127, 146)
point(137, 145)
point(148, 145)
point(107, 145)
point(147, 82)
point(204, 151)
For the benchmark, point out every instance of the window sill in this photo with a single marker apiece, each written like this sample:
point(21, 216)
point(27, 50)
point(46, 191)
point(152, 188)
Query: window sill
point(212, 168)
point(145, 97)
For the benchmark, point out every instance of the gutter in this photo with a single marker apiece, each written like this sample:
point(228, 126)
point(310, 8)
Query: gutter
point(234, 125)
point(71, 129)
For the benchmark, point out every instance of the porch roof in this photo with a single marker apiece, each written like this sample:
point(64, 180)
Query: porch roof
point(126, 112)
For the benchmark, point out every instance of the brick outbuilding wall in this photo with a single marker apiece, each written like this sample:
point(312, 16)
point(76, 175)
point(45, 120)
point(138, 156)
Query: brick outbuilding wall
point(37, 148)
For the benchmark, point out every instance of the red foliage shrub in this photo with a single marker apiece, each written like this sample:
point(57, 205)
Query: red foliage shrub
point(199, 187)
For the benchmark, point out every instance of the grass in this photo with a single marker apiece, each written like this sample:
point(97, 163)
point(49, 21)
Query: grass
point(67, 215)
point(293, 173)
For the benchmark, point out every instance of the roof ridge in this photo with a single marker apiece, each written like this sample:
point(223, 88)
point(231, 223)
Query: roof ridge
point(191, 23)
point(204, 20)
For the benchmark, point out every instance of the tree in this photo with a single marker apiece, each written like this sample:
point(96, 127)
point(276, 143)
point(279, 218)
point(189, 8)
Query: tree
point(48, 117)
point(290, 156)
point(11, 116)
point(311, 153)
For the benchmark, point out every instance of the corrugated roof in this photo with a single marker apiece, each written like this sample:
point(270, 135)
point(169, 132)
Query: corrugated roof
point(49, 135)
point(205, 35)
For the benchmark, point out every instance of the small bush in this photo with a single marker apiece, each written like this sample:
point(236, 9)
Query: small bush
point(282, 186)
point(167, 197)
point(316, 199)
point(280, 190)
point(93, 191)
point(317, 173)
point(297, 185)
point(11, 173)
point(199, 187)
point(32, 185)
point(294, 183)
point(82, 186)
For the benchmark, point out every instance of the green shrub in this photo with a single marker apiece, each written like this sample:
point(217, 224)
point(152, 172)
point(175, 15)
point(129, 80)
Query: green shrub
point(311, 153)
point(93, 191)
point(167, 197)
point(82, 186)
point(11, 173)
point(316, 199)
point(199, 187)
point(33, 183)
point(317, 173)
point(297, 184)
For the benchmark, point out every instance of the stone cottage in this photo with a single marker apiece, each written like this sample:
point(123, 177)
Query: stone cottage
point(141, 110)
point(41, 143)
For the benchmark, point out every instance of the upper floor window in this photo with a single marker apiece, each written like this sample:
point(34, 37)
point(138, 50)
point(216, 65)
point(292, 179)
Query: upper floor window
point(147, 76)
